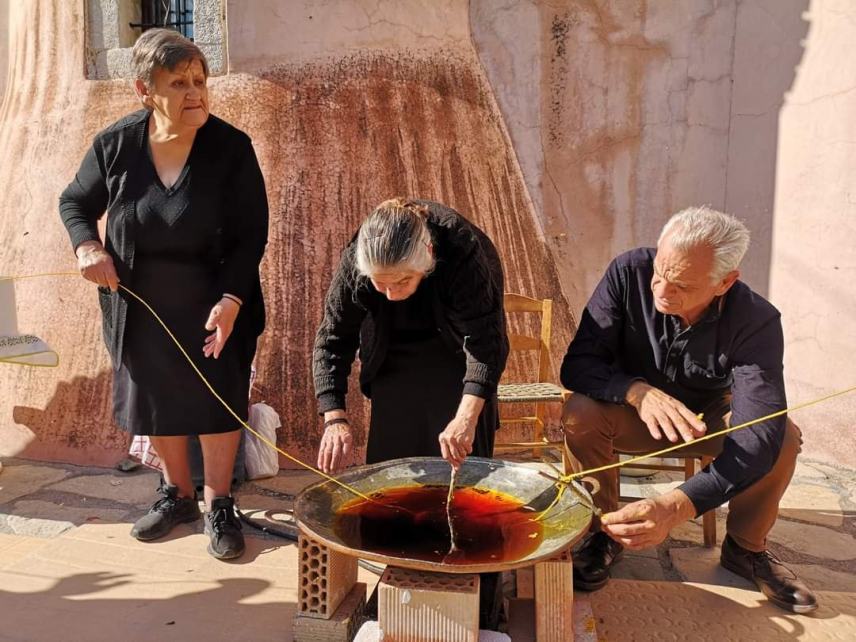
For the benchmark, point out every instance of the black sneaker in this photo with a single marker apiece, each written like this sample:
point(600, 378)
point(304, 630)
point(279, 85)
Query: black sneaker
point(165, 514)
point(224, 529)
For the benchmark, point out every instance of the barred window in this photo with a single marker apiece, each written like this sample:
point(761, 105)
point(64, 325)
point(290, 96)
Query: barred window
point(113, 26)
point(172, 14)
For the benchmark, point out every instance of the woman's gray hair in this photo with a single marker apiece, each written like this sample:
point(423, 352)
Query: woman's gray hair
point(395, 235)
point(727, 236)
point(165, 49)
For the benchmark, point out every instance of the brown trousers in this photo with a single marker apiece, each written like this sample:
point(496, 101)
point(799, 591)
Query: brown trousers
point(596, 430)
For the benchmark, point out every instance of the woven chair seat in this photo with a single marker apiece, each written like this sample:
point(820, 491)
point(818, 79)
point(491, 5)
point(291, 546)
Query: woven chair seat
point(528, 392)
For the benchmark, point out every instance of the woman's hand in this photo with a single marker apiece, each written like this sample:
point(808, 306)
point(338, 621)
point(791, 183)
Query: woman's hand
point(335, 443)
point(96, 265)
point(221, 321)
point(456, 441)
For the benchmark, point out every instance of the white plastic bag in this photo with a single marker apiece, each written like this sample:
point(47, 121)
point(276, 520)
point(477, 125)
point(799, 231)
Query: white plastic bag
point(260, 459)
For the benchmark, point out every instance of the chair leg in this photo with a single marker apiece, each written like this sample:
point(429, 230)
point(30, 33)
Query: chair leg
point(708, 520)
point(708, 525)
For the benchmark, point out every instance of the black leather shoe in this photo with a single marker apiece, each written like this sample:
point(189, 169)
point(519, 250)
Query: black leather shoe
point(775, 580)
point(593, 561)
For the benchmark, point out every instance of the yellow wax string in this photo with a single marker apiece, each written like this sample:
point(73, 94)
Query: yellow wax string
point(566, 479)
point(714, 435)
point(208, 385)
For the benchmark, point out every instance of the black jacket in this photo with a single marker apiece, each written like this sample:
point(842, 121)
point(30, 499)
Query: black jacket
point(467, 303)
point(734, 350)
point(226, 181)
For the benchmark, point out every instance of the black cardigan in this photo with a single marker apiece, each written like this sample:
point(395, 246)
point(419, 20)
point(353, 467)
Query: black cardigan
point(226, 181)
point(468, 309)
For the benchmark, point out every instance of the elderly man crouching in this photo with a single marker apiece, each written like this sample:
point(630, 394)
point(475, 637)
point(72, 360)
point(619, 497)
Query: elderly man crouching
point(667, 334)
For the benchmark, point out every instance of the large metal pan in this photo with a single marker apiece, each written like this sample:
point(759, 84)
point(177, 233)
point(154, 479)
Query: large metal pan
point(563, 525)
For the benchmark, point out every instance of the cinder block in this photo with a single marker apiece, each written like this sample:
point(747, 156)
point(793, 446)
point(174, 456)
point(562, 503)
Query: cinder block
point(341, 627)
point(325, 578)
point(554, 599)
point(415, 606)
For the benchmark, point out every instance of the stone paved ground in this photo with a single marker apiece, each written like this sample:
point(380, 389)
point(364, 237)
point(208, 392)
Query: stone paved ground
point(69, 570)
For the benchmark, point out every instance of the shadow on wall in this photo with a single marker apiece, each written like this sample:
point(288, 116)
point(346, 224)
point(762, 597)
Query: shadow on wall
point(337, 138)
point(81, 400)
point(768, 48)
point(642, 111)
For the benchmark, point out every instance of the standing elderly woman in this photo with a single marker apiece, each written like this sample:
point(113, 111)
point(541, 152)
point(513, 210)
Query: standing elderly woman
point(420, 292)
point(186, 230)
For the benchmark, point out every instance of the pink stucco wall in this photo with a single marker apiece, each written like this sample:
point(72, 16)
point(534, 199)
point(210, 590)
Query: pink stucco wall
point(623, 112)
point(337, 129)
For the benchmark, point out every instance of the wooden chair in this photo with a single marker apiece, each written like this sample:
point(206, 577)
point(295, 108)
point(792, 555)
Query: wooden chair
point(539, 389)
point(708, 520)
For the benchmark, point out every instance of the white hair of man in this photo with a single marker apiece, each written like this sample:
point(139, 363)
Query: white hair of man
point(726, 235)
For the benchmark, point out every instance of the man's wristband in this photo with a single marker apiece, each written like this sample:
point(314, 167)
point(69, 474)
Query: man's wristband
point(335, 420)
point(233, 298)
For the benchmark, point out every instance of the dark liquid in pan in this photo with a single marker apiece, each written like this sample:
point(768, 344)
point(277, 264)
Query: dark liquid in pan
point(410, 522)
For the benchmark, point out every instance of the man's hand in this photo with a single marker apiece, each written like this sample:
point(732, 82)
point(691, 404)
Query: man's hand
point(335, 443)
point(647, 522)
point(456, 441)
point(663, 414)
point(96, 264)
point(221, 320)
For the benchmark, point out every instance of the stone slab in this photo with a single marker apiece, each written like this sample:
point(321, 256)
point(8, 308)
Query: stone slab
point(806, 470)
point(701, 565)
point(820, 578)
point(26, 479)
point(45, 519)
point(658, 611)
point(817, 541)
point(138, 489)
point(812, 503)
point(692, 531)
point(634, 567)
point(15, 547)
point(649, 553)
point(289, 482)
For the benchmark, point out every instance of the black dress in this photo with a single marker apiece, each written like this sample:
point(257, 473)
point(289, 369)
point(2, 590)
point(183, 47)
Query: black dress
point(419, 386)
point(155, 391)
point(415, 395)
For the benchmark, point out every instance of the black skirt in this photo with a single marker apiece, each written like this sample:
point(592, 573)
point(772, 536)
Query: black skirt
point(414, 396)
point(155, 390)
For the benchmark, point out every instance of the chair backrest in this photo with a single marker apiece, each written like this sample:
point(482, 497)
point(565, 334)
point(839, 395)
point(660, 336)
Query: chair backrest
point(515, 303)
